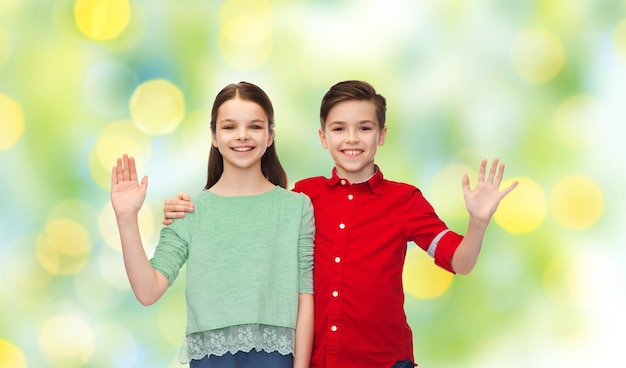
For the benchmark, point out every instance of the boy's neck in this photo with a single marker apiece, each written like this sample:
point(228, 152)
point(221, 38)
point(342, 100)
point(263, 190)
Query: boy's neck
point(356, 179)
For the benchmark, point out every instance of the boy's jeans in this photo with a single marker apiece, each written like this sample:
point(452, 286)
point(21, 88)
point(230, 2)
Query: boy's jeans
point(403, 364)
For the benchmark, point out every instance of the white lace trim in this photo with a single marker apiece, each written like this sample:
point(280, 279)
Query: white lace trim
point(237, 338)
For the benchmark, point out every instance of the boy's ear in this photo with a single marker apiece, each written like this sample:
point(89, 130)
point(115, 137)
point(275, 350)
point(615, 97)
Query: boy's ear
point(382, 136)
point(323, 138)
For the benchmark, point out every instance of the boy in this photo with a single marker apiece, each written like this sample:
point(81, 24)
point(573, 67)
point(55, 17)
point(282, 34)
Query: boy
point(363, 223)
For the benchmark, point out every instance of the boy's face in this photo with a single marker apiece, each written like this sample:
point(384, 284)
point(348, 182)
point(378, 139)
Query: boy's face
point(351, 135)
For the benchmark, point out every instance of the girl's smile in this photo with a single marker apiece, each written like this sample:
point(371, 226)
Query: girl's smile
point(242, 149)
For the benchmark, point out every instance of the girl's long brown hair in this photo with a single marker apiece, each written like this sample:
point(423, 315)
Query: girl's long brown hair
point(270, 164)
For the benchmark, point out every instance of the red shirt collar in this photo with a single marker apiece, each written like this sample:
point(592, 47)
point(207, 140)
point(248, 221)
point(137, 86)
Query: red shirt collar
point(374, 183)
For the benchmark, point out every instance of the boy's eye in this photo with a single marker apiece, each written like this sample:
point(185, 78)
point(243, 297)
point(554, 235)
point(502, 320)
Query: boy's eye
point(337, 129)
point(366, 128)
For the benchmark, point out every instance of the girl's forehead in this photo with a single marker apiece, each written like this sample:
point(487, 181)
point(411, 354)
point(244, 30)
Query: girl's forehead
point(238, 109)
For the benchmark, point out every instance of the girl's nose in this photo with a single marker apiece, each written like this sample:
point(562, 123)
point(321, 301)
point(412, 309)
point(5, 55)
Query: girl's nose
point(242, 134)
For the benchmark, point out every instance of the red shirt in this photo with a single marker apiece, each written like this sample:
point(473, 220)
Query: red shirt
point(361, 239)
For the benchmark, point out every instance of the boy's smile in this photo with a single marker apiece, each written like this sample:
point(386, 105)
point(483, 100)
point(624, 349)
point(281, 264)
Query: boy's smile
point(352, 134)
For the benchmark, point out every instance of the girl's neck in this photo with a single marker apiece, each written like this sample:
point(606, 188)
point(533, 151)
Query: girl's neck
point(241, 183)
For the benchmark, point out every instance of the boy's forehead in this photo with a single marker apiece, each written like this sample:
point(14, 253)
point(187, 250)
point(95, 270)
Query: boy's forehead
point(352, 110)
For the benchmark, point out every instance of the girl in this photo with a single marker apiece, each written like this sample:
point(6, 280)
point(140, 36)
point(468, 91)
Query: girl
point(248, 245)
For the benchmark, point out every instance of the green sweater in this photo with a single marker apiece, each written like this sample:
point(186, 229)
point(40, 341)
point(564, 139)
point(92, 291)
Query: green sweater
point(248, 258)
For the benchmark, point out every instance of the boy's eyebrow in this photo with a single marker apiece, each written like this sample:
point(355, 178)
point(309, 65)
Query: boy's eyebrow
point(338, 122)
point(230, 120)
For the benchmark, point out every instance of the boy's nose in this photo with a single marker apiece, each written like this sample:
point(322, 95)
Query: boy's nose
point(352, 137)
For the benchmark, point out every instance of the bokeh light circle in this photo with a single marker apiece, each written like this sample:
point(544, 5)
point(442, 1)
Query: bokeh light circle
point(109, 259)
point(170, 322)
point(11, 4)
point(537, 55)
point(524, 209)
point(26, 280)
point(66, 340)
point(576, 202)
point(157, 107)
point(64, 247)
point(102, 20)
point(419, 267)
point(562, 280)
point(121, 349)
point(581, 122)
point(149, 215)
point(245, 38)
point(96, 293)
point(113, 141)
point(109, 148)
point(619, 40)
point(10, 355)
point(107, 225)
point(11, 122)
point(446, 192)
point(111, 268)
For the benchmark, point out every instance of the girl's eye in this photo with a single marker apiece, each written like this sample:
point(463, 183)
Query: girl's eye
point(256, 127)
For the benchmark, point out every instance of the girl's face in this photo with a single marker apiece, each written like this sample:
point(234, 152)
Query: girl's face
point(242, 133)
point(352, 136)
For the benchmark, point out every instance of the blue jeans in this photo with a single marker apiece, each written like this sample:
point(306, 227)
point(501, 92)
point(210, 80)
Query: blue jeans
point(403, 364)
point(241, 359)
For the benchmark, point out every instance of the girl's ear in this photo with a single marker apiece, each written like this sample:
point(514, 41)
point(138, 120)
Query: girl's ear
point(323, 138)
point(213, 140)
point(270, 139)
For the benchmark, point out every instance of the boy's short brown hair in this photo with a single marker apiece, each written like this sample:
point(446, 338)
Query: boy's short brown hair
point(353, 90)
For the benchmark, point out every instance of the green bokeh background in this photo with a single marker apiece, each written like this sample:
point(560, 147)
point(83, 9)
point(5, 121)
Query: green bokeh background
point(540, 84)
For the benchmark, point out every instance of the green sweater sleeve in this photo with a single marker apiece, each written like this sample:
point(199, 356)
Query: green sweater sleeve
point(305, 248)
point(172, 251)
